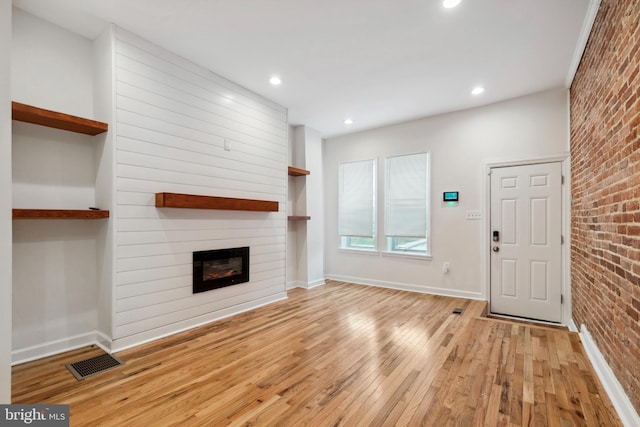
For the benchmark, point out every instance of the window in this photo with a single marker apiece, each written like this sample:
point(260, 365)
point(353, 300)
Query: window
point(407, 204)
point(357, 205)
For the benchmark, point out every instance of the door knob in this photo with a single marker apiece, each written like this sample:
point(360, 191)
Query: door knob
point(496, 249)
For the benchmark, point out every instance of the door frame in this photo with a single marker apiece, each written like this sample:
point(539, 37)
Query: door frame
point(565, 160)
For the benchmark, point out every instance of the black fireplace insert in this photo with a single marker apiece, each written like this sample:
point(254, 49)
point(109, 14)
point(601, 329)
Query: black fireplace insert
point(219, 268)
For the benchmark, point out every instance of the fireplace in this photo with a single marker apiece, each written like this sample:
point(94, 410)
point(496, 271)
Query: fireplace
point(219, 268)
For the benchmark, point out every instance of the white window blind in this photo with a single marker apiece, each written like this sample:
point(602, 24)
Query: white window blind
point(357, 198)
point(406, 196)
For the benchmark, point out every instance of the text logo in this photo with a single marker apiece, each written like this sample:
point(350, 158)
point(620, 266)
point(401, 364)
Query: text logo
point(34, 415)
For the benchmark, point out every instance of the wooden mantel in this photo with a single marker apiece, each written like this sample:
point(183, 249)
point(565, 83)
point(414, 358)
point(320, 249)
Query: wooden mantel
point(53, 119)
point(189, 201)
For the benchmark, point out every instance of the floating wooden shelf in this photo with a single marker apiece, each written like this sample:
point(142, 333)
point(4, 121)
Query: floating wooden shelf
point(59, 214)
point(189, 201)
point(53, 119)
point(297, 171)
point(298, 218)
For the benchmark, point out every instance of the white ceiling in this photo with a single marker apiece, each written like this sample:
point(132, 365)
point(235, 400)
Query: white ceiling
point(375, 61)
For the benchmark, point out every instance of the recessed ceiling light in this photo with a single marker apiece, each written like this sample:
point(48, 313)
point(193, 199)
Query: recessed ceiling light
point(275, 80)
point(477, 90)
point(450, 3)
point(348, 121)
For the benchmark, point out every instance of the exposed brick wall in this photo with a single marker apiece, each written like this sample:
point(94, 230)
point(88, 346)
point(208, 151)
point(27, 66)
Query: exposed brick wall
point(605, 153)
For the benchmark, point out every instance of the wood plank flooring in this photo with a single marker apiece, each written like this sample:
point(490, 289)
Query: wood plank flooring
point(337, 355)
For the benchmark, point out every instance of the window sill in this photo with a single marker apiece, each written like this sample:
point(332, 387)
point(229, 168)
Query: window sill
point(359, 251)
point(407, 255)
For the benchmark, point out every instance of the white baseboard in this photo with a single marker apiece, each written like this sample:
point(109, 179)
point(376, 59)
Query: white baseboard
point(105, 343)
point(621, 402)
point(155, 334)
point(572, 326)
point(315, 283)
point(51, 348)
point(409, 287)
point(295, 284)
point(305, 285)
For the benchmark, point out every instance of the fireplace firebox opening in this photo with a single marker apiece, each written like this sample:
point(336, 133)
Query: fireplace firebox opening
point(219, 268)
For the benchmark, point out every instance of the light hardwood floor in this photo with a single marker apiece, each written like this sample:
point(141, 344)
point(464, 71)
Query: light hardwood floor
point(341, 354)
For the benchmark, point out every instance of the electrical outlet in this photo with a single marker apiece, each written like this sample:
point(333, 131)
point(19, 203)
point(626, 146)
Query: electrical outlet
point(445, 268)
point(474, 215)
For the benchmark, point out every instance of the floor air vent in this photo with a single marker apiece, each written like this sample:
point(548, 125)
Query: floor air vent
point(93, 366)
point(457, 311)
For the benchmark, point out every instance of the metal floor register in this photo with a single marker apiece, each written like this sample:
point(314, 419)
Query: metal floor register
point(95, 365)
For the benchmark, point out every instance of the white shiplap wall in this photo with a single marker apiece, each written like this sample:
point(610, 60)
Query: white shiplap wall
point(172, 120)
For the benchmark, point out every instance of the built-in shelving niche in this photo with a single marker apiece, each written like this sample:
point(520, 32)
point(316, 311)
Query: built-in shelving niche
point(56, 120)
point(293, 171)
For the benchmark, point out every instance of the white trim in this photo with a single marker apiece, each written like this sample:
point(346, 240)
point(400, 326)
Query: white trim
point(385, 253)
point(294, 284)
point(103, 341)
point(616, 393)
point(155, 334)
point(498, 163)
point(304, 285)
point(408, 287)
point(426, 257)
point(567, 313)
point(374, 252)
point(572, 326)
point(99, 339)
point(315, 283)
point(564, 159)
point(585, 31)
point(52, 348)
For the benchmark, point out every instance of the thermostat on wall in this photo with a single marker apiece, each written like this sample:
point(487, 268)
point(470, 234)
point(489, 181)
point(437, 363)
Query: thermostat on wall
point(450, 196)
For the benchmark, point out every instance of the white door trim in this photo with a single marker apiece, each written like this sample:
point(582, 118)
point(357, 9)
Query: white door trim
point(565, 159)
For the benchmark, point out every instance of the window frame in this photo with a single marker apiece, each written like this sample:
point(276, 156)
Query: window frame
point(390, 249)
point(345, 241)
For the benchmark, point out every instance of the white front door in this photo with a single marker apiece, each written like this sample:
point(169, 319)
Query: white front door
point(526, 241)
